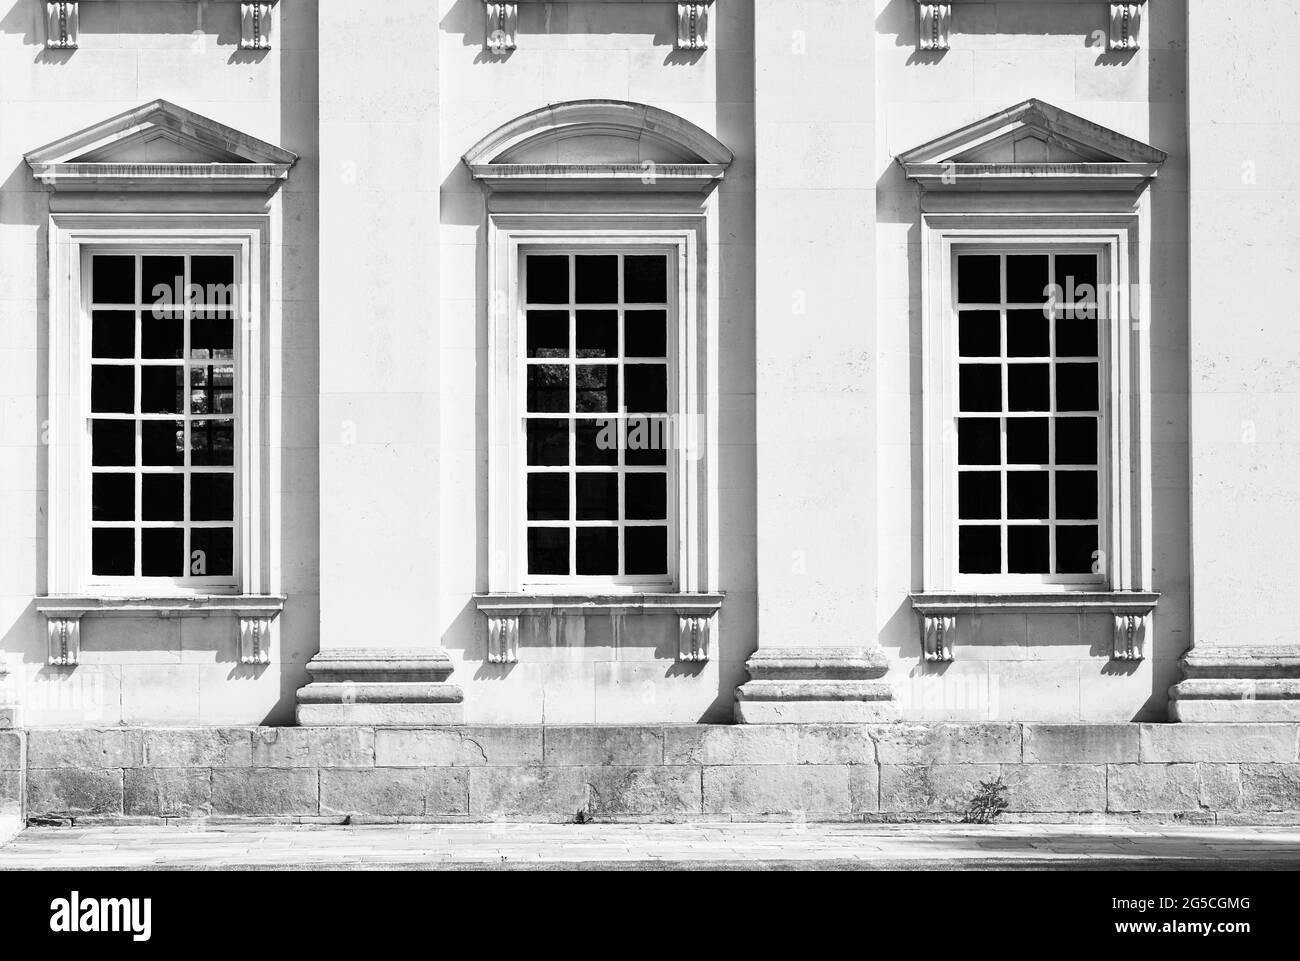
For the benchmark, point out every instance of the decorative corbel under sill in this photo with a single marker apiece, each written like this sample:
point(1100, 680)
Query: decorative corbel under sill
point(501, 24)
point(695, 614)
point(63, 614)
point(938, 611)
point(934, 24)
point(62, 21)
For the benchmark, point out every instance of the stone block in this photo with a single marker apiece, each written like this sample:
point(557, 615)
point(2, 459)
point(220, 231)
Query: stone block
point(11, 750)
point(6, 718)
point(1270, 787)
point(731, 744)
point(665, 791)
point(1055, 787)
point(198, 747)
point(836, 744)
point(264, 792)
point(597, 744)
point(864, 788)
point(11, 788)
point(395, 791)
point(757, 790)
point(173, 792)
point(85, 748)
point(459, 746)
point(935, 788)
point(924, 744)
point(318, 747)
point(73, 791)
point(1153, 787)
point(1219, 786)
point(1080, 743)
point(1219, 742)
point(528, 792)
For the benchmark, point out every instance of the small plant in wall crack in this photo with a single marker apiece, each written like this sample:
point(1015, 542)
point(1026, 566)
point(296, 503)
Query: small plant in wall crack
point(988, 803)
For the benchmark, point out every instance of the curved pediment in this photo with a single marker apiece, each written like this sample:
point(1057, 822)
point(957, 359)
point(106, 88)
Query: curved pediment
point(598, 145)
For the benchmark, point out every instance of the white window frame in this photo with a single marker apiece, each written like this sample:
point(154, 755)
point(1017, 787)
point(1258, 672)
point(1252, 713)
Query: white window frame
point(1124, 448)
point(73, 239)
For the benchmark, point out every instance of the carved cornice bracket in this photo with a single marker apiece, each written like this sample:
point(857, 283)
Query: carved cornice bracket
point(1125, 26)
point(255, 638)
point(693, 635)
point(1130, 636)
point(61, 30)
point(933, 21)
point(937, 632)
point(64, 635)
point(503, 638)
point(501, 26)
point(693, 25)
point(255, 21)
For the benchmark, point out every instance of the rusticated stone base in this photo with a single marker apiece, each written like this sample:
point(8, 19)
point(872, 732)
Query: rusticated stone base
point(380, 687)
point(1245, 684)
point(832, 685)
point(1184, 773)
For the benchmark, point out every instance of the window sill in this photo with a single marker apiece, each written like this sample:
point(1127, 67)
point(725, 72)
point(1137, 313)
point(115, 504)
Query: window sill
point(695, 614)
point(63, 614)
point(938, 612)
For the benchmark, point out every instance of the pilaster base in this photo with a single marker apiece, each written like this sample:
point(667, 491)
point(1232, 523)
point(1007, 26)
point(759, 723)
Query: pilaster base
point(400, 688)
point(1238, 684)
point(816, 685)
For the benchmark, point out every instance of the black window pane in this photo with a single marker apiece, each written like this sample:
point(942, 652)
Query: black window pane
point(646, 441)
point(548, 550)
point(162, 552)
point(548, 388)
point(597, 550)
point(162, 390)
point(113, 280)
point(162, 443)
point(979, 279)
point(112, 552)
point(596, 442)
point(212, 443)
point(597, 333)
point(162, 280)
point(597, 497)
point(645, 333)
point(1076, 440)
point(646, 550)
point(112, 389)
point(1027, 495)
point(595, 280)
point(112, 497)
point(212, 551)
point(112, 333)
point(162, 335)
point(1075, 547)
point(212, 390)
point(1027, 279)
point(548, 497)
point(1027, 440)
point(1027, 387)
point(980, 387)
point(162, 497)
point(1028, 334)
point(1076, 276)
point(548, 333)
point(979, 495)
point(212, 338)
point(979, 550)
point(112, 443)
point(647, 388)
point(212, 497)
point(645, 279)
point(978, 441)
point(1076, 337)
point(645, 497)
point(548, 442)
point(1076, 495)
point(548, 280)
point(597, 388)
point(1027, 550)
point(979, 333)
point(212, 280)
point(1076, 386)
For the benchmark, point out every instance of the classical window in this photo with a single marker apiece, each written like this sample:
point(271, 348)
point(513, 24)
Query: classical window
point(1035, 357)
point(160, 323)
point(602, 380)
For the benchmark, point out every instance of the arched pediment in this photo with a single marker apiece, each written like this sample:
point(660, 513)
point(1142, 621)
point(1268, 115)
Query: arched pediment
point(598, 145)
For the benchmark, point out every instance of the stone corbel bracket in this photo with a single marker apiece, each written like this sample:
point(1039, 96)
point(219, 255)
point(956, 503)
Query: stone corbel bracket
point(503, 638)
point(64, 637)
point(1126, 25)
point(937, 632)
point(61, 25)
point(1130, 636)
point(501, 26)
point(255, 21)
point(933, 22)
point(255, 638)
point(693, 25)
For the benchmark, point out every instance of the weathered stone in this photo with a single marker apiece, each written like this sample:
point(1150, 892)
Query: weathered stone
point(73, 791)
point(1153, 787)
point(11, 750)
point(1271, 787)
point(173, 792)
point(864, 788)
point(1219, 786)
point(663, 790)
point(1080, 743)
point(836, 744)
point(198, 747)
point(85, 748)
point(597, 744)
point(731, 744)
point(264, 792)
point(1055, 787)
point(909, 744)
point(6, 717)
point(1219, 742)
point(395, 791)
point(528, 792)
point(772, 789)
point(318, 747)
point(11, 787)
point(920, 788)
point(460, 746)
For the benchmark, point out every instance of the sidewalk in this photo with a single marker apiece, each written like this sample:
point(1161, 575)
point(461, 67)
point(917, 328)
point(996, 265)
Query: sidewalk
point(655, 847)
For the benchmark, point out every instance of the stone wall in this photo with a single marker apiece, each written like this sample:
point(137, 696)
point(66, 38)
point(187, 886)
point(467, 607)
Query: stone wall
point(1210, 773)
